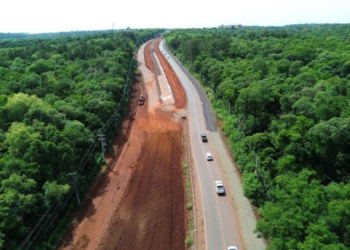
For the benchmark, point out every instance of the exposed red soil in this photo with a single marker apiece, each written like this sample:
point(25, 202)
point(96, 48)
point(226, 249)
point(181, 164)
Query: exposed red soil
point(148, 58)
point(174, 82)
point(140, 203)
point(151, 212)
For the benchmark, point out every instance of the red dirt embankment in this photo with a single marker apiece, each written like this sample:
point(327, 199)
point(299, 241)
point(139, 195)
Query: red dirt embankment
point(148, 57)
point(151, 214)
point(174, 82)
point(140, 204)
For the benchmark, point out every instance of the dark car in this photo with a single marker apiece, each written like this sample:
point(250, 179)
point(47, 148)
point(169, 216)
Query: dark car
point(204, 138)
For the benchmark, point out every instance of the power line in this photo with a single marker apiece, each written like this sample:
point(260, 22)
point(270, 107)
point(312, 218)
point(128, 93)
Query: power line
point(50, 215)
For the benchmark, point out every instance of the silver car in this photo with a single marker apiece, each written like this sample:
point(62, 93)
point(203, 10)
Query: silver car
point(232, 248)
point(219, 187)
point(209, 157)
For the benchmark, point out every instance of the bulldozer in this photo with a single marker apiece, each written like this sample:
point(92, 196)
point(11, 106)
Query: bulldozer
point(141, 100)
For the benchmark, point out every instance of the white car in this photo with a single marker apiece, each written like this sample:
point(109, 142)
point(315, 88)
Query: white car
point(219, 187)
point(232, 248)
point(209, 157)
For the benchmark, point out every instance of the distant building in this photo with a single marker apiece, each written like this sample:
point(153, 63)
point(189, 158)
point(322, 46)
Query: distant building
point(234, 26)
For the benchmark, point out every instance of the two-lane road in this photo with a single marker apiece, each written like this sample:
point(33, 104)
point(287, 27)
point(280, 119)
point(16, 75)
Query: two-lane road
point(221, 228)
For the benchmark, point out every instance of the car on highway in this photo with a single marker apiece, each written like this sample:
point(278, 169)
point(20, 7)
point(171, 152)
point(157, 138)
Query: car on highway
point(209, 156)
point(219, 187)
point(232, 248)
point(204, 138)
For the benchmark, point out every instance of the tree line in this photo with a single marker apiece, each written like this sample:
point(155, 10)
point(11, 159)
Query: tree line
point(282, 94)
point(56, 93)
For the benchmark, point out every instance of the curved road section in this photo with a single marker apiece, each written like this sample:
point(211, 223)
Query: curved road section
point(228, 220)
point(208, 114)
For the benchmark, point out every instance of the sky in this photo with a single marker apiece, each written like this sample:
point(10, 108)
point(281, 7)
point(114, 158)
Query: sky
point(42, 16)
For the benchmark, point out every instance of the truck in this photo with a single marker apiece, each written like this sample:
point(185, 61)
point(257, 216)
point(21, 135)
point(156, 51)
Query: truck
point(141, 100)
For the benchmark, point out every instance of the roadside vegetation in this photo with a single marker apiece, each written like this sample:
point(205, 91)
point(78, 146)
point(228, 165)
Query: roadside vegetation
point(283, 95)
point(59, 93)
point(189, 192)
point(189, 205)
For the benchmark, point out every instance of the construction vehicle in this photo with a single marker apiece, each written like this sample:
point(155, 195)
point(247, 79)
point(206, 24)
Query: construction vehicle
point(141, 100)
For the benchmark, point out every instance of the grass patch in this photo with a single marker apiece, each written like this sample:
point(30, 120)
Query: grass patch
point(189, 206)
point(189, 241)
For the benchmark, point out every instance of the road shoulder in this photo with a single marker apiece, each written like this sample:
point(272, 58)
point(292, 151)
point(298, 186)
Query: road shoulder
point(243, 209)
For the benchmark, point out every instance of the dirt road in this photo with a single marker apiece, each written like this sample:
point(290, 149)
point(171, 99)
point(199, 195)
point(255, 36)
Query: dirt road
point(141, 203)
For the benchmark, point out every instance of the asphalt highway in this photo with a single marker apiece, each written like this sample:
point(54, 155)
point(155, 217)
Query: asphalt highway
point(221, 227)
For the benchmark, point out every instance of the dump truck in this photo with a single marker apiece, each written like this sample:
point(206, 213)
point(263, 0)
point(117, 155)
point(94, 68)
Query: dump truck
point(141, 100)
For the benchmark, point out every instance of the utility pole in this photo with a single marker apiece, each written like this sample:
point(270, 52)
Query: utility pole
point(260, 175)
point(116, 122)
point(76, 186)
point(103, 143)
point(113, 31)
point(123, 95)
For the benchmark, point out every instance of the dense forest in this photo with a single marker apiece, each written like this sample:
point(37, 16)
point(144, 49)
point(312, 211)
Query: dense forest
point(58, 95)
point(282, 94)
